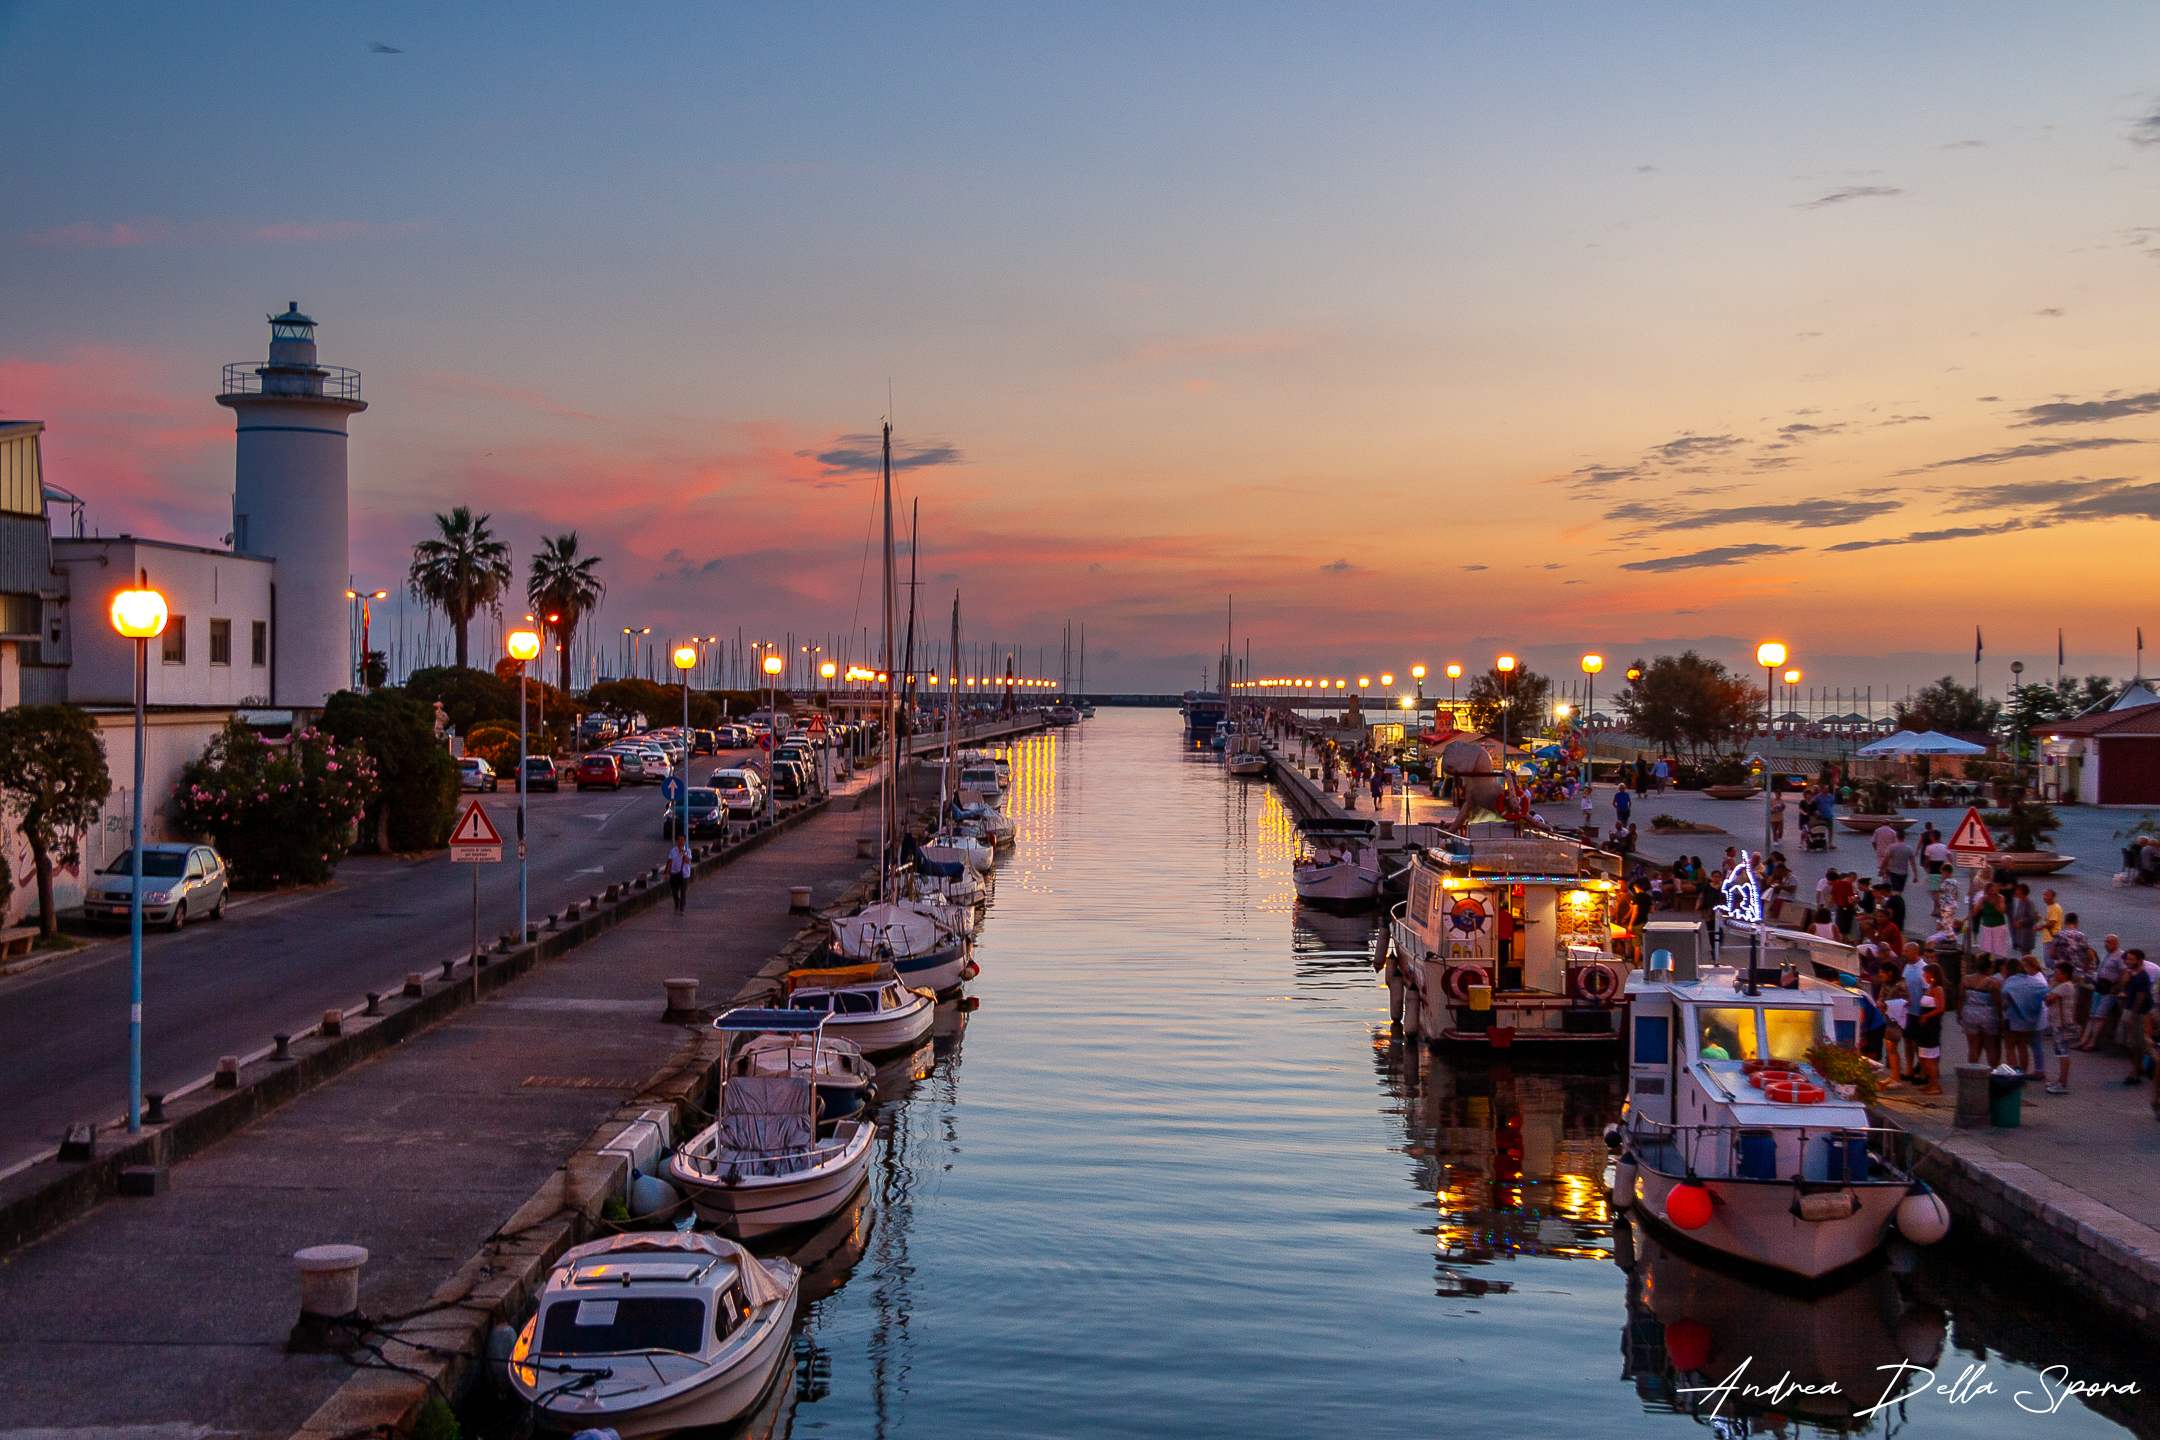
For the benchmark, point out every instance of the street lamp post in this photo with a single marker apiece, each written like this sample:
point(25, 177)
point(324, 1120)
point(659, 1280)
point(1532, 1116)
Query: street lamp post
point(1769, 655)
point(685, 657)
point(1591, 664)
point(139, 615)
point(773, 664)
point(1506, 666)
point(524, 645)
point(1454, 673)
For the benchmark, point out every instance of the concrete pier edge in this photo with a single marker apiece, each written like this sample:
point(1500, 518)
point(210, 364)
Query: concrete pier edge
point(45, 1195)
point(441, 1351)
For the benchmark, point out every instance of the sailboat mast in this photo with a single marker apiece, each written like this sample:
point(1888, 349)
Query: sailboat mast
point(907, 800)
point(887, 841)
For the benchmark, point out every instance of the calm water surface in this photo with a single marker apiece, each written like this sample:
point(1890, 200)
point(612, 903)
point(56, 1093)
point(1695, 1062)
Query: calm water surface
point(1171, 1179)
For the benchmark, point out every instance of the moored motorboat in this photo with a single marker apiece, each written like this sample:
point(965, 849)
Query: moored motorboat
point(927, 945)
point(868, 1004)
point(844, 1079)
point(761, 1165)
point(1337, 862)
point(1733, 1141)
point(973, 851)
point(649, 1332)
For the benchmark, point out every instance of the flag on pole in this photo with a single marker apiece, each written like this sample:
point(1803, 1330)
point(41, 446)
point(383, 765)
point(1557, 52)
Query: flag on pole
point(1977, 646)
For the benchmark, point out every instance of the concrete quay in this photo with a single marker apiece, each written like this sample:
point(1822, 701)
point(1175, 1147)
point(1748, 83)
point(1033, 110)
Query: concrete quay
point(444, 1155)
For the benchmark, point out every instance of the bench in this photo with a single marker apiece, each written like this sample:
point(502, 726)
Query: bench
point(17, 940)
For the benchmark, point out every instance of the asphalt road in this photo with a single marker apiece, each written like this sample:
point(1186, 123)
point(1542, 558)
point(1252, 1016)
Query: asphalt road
point(275, 963)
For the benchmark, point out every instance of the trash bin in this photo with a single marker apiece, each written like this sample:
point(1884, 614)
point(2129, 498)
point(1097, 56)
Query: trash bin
point(2006, 1100)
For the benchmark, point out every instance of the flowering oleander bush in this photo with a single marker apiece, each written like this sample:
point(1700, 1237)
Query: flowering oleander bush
point(281, 814)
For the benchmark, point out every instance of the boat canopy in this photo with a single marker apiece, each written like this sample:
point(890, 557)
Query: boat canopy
point(839, 976)
point(751, 1021)
point(759, 1285)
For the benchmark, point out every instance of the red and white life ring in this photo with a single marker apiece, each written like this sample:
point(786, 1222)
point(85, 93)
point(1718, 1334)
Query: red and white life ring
point(1597, 982)
point(1792, 1090)
point(1460, 978)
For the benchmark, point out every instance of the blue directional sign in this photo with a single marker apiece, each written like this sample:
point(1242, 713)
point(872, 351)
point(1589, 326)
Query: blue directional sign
point(671, 789)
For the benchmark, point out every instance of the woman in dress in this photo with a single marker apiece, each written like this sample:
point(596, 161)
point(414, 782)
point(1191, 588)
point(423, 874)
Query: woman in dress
point(1980, 1014)
point(1927, 1030)
point(1991, 924)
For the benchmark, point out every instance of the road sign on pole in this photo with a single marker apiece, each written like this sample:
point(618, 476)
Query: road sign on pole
point(671, 789)
point(1970, 844)
point(475, 841)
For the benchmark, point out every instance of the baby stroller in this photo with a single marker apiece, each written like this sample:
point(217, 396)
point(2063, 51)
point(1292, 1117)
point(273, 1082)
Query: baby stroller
point(1815, 835)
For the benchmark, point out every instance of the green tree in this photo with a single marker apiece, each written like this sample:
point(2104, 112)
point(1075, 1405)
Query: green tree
point(563, 588)
point(281, 814)
point(468, 697)
point(461, 571)
point(496, 743)
point(1948, 707)
point(2031, 707)
point(54, 782)
point(1515, 702)
point(1687, 704)
point(417, 781)
point(659, 704)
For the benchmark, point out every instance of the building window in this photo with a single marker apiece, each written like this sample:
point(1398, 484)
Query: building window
point(259, 646)
point(221, 642)
point(176, 640)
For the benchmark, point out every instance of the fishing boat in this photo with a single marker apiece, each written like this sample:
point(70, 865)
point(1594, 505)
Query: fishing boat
point(927, 947)
point(1508, 941)
point(1203, 712)
point(1337, 862)
point(1732, 1141)
point(655, 1331)
point(761, 1165)
point(845, 1080)
point(868, 1004)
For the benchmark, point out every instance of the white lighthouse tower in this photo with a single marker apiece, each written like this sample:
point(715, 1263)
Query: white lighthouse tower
point(289, 503)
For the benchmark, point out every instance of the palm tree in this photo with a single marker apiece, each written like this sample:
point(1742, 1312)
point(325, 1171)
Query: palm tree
point(462, 572)
point(562, 589)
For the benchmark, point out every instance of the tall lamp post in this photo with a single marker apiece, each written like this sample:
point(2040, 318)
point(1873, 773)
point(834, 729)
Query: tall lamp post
point(1506, 666)
point(523, 645)
point(826, 671)
point(139, 615)
point(686, 656)
point(773, 665)
point(1769, 655)
point(1591, 664)
point(1454, 673)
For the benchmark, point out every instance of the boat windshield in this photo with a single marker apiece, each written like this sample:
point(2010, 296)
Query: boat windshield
point(1726, 1034)
point(1792, 1033)
point(631, 1322)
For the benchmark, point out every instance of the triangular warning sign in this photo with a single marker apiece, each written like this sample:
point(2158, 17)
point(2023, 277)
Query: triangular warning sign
point(474, 828)
point(1971, 836)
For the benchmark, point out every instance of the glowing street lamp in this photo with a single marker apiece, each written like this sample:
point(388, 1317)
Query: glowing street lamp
point(139, 615)
point(1770, 654)
point(523, 646)
point(1591, 664)
point(1506, 666)
point(773, 664)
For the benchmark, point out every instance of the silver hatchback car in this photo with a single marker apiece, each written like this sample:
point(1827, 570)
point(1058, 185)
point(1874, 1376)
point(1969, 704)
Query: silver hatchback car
point(180, 883)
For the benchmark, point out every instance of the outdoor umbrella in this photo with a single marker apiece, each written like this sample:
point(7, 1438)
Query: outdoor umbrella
point(1898, 744)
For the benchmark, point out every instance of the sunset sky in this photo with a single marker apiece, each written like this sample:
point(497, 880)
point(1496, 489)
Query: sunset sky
point(1428, 331)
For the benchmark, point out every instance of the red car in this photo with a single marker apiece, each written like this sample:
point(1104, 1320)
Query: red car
point(598, 770)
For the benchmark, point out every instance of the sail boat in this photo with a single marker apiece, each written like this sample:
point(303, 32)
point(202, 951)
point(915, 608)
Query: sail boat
point(926, 944)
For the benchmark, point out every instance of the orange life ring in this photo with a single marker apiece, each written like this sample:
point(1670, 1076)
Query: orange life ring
point(1460, 978)
point(1597, 982)
point(1792, 1090)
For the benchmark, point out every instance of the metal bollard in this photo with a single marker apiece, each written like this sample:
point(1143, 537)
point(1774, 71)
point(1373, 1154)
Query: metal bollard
point(154, 1113)
point(412, 985)
point(284, 1047)
point(374, 1004)
point(447, 967)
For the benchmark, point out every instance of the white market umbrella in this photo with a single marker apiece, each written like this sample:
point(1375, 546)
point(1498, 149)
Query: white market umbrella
point(1899, 744)
point(1934, 742)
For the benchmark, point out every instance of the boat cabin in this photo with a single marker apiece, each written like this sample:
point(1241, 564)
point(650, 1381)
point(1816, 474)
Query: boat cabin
point(848, 989)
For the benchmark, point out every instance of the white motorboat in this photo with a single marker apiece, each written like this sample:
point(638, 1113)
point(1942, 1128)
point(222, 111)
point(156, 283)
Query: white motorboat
point(845, 1080)
point(761, 1166)
point(973, 851)
point(964, 889)
point(1337, 863)
point(655, 1331)
point(981, 776)
point(984, 820)
point(868, 1004)
point(1732, 1140)
point(927, 945)
point(1060, 716)
point(1252, 764)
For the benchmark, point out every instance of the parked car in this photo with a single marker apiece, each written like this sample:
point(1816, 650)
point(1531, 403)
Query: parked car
point(740, 790)
point(630, 765)
point(790, 780)
point(704, 742)
point(541, 774)
point(657, 763)
point(475, 773)
point(707, 815)
point(178, 881)
point(598, 769)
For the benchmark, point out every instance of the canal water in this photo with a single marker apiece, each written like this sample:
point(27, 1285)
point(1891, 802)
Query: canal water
point(1172, 1178)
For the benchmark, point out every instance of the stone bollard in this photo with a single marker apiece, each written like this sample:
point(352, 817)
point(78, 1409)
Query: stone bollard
point(282, 1047)
point(862, 847)
point(532, 931)
point(412, 985)
point(333, 1024)
point(447, 967)
point(1387, 829)
point(329, 1298)
point(798, 897)
point(228, 1073)
point(681, 999)
point(611, 894)
point(1972, 1097)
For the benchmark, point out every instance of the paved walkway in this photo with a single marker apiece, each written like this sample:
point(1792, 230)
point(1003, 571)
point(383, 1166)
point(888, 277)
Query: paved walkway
point(173, 1311)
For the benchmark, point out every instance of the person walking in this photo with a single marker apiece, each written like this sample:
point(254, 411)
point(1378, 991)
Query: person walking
point(1979, 1013)
point(1622, 804)
point(2024, 998)
point(1898, 865)
point(1661, 772)
point(1777, 820)
point(2061, 1014)
point(1642, 777)
point(678, 872)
